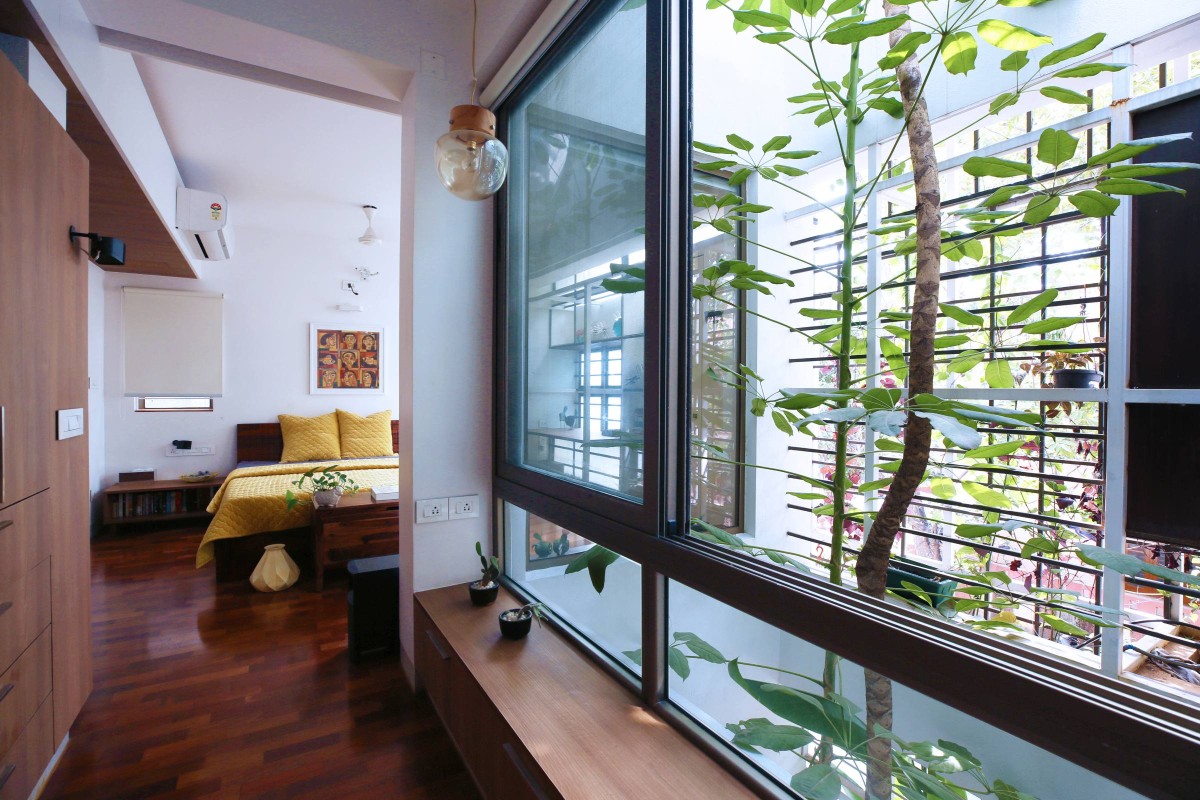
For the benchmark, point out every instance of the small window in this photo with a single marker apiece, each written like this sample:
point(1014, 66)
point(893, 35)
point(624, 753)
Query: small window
point(175, 404)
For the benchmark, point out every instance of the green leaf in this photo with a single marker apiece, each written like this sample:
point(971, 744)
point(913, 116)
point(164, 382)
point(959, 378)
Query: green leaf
point(776, 143)
point(976, 530)
point(624, 285)
point(1062, 626)
point(1126, 150)
point(985, 495)
point(992, 167)
point(678, 663)
point(895, 358)
point(1135, 186)
point(739, 142)
point(813, 712)
point(965, 362)
point(1007, 36)
point(776, 738)
point(1003, 101)
point(1040, 208)
point(701, 648)
point(887, 423)
point(596, 559)
point(633, 655)
point(889, 446)
point(800, 401)
point(1147, 170)
point(713, 148)
point(943, 488)
point(1056, 147)
point(1015, 61)
point(998, 375)
point(857, 32)
point(1004, 195)
point(818, 782)
point(880, 399)
point(961, 315)
point(952, 340)
point(994, 450)
point(1089, 70)
point(1131, 565)
point(904, 48)
point(1051, 324)
point(841, 6)
point(1032, 306)
point(1065, 96)
point(1072, 50)
point(888, 105)
point(959, 51)
point(781, 422)
point(1091, 203)
point(761, 19)
point(775, 38)
point(871, 486)
point(1038, 544)
point(964, 437)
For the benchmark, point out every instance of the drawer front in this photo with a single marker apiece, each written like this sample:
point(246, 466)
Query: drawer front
point(23, 764)
point(23, 689)
point(433, 657)
point(362, 531)
point(24, 537)
point(24, 612)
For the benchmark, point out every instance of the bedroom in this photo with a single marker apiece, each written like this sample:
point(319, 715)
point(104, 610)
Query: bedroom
point(300, 120)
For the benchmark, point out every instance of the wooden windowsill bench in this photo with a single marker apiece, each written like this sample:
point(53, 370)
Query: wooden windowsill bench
point(538, 719)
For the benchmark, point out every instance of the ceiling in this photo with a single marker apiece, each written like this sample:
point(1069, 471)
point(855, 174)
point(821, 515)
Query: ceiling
point(290, 107)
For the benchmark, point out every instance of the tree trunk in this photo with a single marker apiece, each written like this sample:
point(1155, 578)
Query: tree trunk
point(876, 551)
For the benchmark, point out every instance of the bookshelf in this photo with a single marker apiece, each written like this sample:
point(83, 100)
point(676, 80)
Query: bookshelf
point(137, 502)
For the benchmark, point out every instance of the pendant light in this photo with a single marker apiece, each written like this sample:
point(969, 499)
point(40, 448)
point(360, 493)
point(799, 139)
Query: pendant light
point(369, 236)
point(471, 162)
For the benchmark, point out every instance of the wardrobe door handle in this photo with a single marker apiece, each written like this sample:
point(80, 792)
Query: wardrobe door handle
point(5, 689)
point(3, 455)
point(6, 773)
point(4, 523)
point(5, 606)
point(437, 646)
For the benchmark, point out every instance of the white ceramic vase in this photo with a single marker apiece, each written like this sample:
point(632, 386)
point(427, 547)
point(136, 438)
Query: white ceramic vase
point(275, 571)
point(326, 498)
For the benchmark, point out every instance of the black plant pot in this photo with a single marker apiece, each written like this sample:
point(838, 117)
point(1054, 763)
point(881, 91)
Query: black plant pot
point(483, 595)
point(515, 628)
point(1077, 378)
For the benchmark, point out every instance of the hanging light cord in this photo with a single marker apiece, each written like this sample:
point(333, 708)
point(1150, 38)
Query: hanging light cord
point(474, 79)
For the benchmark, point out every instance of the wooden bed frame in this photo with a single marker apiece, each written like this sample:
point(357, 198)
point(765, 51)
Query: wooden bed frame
point(235, 558)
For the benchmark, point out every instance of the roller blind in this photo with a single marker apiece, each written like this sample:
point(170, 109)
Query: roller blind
point(174, 343)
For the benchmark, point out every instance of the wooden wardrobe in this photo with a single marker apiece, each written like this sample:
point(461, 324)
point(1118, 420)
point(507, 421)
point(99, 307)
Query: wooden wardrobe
point(45, 640)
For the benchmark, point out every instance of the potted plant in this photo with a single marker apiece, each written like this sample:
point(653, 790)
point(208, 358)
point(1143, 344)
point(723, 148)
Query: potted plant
point(326, 485)
point(1067, 370)
point(515, 623)
point(905, 573)
point(483, 591)
point(545, 549)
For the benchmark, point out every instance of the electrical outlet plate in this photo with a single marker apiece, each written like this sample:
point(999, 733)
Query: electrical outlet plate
point(432, 510)
point(466, 505)
point(197, 450)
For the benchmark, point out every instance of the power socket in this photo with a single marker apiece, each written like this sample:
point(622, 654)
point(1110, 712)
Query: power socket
point(432, 510)
point(466, 505)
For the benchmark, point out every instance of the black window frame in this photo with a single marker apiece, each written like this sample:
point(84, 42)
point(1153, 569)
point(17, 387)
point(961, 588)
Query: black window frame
point(1142, 739)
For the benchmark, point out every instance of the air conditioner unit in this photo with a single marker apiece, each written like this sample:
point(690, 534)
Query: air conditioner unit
point(203, 217)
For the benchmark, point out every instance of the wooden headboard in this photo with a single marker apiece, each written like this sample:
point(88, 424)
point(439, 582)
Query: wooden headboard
point(263, 441)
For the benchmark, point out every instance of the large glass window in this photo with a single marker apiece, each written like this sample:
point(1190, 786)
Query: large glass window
point(576, 351)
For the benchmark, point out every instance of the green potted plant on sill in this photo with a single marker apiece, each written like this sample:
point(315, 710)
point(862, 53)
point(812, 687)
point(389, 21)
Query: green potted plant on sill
point(325, 485)
point(516, 622)
point(484, 591)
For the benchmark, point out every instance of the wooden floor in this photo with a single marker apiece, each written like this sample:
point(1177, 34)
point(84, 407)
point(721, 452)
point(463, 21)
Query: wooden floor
point(206, 692)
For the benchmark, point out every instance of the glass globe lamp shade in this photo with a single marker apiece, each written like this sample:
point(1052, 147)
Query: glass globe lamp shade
point(471, 162)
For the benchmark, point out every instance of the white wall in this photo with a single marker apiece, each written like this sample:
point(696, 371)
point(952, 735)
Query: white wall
point(96, 427)
point(278, 282)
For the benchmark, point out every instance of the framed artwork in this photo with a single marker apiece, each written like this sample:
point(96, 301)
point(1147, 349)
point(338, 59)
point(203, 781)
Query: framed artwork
point(344, 361)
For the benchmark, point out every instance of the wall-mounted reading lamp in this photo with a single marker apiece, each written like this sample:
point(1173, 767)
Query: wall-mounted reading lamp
point(107, 251)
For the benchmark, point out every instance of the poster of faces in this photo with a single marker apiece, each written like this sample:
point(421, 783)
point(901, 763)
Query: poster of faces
point(346, 361)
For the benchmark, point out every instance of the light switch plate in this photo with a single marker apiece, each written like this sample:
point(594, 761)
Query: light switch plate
point(70, 423)
point(197, 450)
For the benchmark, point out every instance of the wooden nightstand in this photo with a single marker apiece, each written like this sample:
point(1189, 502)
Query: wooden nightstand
point(357, 527)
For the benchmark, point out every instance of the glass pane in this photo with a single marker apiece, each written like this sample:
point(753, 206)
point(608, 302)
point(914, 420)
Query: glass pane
point(772, 705)
point(539, 556)
point(577, 219)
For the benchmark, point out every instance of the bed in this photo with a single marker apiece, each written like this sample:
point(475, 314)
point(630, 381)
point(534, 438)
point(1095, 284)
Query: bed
point(250, 512)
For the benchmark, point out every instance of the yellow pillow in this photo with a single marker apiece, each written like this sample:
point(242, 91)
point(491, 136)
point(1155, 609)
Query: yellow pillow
point(310, 438)
point(366, 437)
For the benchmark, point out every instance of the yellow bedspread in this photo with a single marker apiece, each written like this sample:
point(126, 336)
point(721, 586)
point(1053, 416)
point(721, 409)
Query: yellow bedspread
point(252, 499)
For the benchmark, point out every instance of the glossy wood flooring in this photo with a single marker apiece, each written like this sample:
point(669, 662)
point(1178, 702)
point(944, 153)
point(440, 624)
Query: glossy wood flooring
point(207, 692)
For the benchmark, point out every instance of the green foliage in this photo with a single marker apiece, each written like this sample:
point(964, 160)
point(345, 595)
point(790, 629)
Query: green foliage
point(490, 566)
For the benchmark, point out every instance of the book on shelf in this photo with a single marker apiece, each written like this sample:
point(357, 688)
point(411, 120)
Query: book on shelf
point(383, 493)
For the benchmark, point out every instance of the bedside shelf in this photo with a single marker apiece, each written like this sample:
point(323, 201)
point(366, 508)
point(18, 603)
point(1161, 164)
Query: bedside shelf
point(136, 502)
